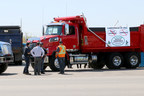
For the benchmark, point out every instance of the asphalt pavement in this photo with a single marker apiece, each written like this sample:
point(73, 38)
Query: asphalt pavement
point(76, 82)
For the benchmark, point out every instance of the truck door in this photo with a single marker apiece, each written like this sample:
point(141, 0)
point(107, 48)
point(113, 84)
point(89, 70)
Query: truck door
point(71, 40)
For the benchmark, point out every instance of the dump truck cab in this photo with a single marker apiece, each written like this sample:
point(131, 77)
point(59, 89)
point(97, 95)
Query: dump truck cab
point(67, 32)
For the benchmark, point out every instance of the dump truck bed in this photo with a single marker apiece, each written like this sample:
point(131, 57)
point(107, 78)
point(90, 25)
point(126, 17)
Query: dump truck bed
point(94, 44)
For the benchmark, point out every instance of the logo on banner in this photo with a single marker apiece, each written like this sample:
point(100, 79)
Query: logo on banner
point(112, 32)
point(118, 40)
point(123, 32)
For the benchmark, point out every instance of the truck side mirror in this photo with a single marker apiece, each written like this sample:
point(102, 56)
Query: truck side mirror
point(66, 29)
point(43, 30)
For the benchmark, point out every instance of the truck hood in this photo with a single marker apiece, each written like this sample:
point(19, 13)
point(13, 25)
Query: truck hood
point(48, 37)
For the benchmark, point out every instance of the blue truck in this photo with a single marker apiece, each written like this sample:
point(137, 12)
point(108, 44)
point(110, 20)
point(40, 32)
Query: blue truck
point(13, 35)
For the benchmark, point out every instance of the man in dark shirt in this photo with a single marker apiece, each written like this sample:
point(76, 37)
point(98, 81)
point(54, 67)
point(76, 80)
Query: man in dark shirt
point(27, 59)
point(42, 63)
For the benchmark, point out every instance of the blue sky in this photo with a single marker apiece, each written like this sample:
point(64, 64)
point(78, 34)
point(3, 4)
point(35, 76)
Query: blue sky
point(35, 13)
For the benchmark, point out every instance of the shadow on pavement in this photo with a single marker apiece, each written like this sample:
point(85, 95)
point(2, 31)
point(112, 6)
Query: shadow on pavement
point(67, 74)
point(8, 74)
point(13, 65)
point(98, 70)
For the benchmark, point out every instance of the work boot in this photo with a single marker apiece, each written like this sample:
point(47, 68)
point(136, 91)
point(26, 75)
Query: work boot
point(35, 73)
point(27, 73)
point(42, 72)
point(39, 74)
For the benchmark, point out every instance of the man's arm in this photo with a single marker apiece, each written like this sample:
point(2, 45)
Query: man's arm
point(32, 52)
point(25, 52)
point(42, 52)
point(57, 52)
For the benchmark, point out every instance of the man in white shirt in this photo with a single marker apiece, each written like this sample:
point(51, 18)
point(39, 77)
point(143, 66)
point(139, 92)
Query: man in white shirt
point(37, 52)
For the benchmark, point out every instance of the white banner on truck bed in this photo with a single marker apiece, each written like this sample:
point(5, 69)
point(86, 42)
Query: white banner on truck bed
point(117, 36)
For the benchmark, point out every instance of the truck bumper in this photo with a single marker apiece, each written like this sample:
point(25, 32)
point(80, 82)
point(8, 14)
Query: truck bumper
point(7, 59)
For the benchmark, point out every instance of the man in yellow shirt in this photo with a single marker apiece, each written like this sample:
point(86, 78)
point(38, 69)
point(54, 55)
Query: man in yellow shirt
point(60, 54)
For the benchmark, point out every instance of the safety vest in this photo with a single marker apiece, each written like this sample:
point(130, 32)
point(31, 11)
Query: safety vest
point(62, 51)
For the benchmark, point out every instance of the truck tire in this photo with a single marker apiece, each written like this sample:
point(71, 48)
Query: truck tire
point(132, 60)
point(54, 64)
point(18, 62)
point(97, 65)
point(100, 63)
point(45, 66)
point(3, 67)
point(114, 61)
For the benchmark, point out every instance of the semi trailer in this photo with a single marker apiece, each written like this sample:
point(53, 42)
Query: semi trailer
point(114, 47)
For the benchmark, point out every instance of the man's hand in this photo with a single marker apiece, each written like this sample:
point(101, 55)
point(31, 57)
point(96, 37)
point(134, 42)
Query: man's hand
point(56, 54)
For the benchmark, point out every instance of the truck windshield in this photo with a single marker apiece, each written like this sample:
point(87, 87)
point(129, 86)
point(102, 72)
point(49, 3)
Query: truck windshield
point(6, 49)
point(53, 30)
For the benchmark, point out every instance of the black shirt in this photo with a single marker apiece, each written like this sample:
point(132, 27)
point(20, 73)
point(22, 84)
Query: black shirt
point(27, 50)
point(45, 51)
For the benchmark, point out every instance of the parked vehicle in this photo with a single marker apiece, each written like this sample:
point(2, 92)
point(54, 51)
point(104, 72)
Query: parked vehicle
point(6, 56)
point(13, 35)
point(88, 45)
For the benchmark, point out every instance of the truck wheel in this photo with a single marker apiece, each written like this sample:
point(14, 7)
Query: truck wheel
point(115, 61)
point(45, 66)
point(3, 67)
point(97, 65)
point(132, 60)
point(18, 62)
point(54, 64)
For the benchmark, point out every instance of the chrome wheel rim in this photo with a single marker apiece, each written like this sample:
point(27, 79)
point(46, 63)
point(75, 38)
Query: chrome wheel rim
point(56, 63)
point(133, 60)
point(117, 60)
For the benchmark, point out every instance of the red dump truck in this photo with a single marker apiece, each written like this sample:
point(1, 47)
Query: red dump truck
point(114, 47)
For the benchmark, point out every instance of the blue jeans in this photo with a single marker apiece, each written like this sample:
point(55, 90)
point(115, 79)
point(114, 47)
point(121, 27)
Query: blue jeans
point(27, 60)
point(62, 64)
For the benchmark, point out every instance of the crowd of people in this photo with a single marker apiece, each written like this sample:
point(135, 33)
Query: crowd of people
point(39, 53)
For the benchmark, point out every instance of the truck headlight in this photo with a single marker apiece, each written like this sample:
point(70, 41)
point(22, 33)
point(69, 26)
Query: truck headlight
point(55, 39)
